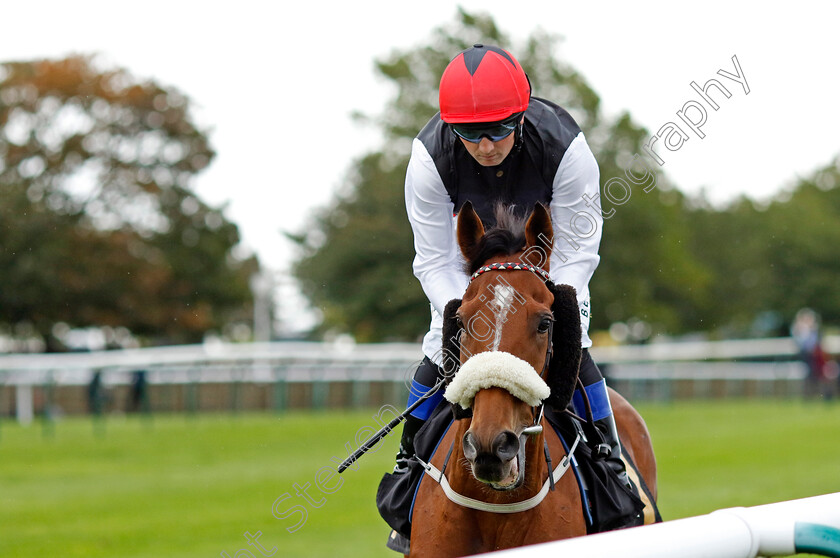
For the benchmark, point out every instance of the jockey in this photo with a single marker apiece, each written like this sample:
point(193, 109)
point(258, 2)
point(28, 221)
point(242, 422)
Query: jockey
point(492, 142)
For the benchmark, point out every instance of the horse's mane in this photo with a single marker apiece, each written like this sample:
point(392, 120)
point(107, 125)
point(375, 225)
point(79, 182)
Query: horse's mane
point(504, 238)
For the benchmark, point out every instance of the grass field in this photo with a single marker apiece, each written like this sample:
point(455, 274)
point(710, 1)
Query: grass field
point(180, 486)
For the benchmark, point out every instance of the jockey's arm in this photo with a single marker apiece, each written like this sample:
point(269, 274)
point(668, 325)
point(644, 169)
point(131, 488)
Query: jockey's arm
point(577, 221)
point(437, 261)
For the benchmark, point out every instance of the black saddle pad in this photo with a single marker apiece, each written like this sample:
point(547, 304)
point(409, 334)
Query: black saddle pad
point(396, 492)
point(609, 502)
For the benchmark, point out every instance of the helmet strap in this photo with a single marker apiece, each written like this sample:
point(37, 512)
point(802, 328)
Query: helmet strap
point(517, 143)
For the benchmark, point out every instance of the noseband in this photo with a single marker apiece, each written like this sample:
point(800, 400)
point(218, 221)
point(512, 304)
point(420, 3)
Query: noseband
point(553, 475)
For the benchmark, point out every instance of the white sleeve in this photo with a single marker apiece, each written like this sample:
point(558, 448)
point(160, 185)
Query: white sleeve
point(577, 226)
point(438, 263)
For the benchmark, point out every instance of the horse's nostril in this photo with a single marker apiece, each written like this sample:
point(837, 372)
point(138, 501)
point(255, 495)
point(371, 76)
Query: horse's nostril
point(470, 451)
point(506, 445)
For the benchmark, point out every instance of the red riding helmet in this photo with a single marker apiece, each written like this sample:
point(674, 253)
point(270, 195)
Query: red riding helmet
point(483, 84)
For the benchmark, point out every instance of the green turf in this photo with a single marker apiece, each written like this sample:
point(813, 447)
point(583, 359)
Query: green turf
point(180, 486)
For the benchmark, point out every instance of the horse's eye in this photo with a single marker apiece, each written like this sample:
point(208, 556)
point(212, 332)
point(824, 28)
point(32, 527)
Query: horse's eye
point(545, 324)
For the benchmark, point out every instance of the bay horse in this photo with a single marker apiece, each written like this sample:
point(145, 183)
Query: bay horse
point(494, 488)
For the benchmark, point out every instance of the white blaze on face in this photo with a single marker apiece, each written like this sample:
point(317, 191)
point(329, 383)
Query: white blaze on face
point(501, 305)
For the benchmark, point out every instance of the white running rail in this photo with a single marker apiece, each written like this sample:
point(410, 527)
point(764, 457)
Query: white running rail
point(809, 525)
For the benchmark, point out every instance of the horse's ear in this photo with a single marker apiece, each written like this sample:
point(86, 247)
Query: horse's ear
point(566, 350)
point(539, 237)
point(452, 350)
point(470, 231)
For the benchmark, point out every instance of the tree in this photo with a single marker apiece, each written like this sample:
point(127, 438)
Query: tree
point(802, 247)
point(98, 222)
point(767, 260)
point(358, 271)
point(646, 270)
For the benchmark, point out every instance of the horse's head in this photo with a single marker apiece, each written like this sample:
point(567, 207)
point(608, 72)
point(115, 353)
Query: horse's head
point(517, 337)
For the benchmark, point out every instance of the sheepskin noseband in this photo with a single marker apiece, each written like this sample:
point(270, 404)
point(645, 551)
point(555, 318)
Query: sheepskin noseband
point(496, 369)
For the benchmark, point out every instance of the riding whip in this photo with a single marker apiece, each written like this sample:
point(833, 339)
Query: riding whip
point(385, 430)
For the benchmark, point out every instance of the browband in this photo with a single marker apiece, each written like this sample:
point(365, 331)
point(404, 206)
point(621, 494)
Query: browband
point(511, 266)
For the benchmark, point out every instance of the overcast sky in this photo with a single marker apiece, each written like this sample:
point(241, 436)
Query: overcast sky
point(276, 85)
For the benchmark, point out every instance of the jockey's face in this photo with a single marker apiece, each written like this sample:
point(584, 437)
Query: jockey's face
point(490, 153)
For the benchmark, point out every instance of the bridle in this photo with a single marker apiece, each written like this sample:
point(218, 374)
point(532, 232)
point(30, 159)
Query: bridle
point(511, 266)
point(554, 475)
point(543, 274)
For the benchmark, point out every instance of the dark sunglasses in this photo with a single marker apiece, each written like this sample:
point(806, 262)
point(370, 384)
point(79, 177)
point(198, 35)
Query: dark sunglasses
point(496, 131)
